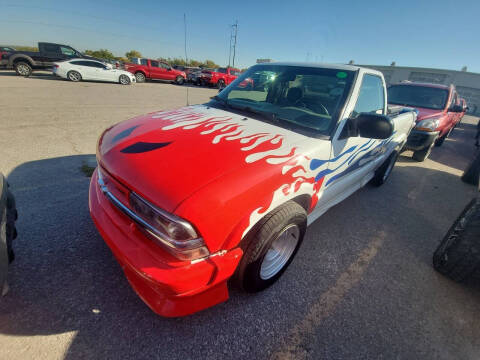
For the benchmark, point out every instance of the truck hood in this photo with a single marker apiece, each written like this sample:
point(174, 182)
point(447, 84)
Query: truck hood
point(167, 156)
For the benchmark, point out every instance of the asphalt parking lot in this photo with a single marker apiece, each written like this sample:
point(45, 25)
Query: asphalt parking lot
point(362, 285)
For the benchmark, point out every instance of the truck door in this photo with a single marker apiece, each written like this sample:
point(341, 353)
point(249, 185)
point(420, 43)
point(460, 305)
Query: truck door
point(167, 73)
point(354, 159)
point(49, 53)
point(156, 71)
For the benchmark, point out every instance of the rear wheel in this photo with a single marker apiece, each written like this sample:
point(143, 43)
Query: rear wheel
point(140, 77)
point(271, 246)
point(179, 80)
point(74, 76)
point(384, 171)
point(458, 255)
point(124, 80)
point(23, 69)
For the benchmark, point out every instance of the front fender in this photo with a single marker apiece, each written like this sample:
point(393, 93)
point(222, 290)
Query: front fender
point(20, 57)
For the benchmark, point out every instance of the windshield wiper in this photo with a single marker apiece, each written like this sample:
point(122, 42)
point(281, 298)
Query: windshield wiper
point(221, 101)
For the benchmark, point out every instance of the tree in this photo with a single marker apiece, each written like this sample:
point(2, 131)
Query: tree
point(101, 54)
point(25, 48)
point(209, 64)
point(133, 54)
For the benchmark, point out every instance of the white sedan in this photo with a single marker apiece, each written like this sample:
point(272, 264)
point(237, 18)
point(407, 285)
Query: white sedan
point(83, 69)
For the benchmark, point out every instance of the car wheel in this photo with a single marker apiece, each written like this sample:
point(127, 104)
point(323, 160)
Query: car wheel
point(221, 84)
point(124, 80)
point(179, 80)
point(441, 140)
point(384, 171)
point(74, 76)
point(271, 246)
point(23, 69)
point(140, 77)
point(458, 255)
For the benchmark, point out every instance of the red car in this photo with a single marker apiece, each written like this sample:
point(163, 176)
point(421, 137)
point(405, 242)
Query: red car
point(438, 113)
point(5, 50)
point(156, 70)
point(220, 77)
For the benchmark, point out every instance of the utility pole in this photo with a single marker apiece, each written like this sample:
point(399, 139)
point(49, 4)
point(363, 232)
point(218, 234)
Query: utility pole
point(235, 30)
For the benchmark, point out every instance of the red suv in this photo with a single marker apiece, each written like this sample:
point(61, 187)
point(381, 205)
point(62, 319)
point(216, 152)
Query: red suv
point(438, 113)
point(220, 77)
point(155, 70)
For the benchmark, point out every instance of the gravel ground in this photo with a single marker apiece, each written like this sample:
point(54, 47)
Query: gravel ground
point(361, 286)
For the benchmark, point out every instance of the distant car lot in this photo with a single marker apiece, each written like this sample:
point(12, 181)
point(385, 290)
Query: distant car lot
point(362, 285)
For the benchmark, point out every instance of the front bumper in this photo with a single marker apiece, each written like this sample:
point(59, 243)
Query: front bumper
point(169, 288)
point(419, 140)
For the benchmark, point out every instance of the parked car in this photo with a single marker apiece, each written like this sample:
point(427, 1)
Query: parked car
point(438, 114)
point(4, 52)
point(220, 77)
point(193, 76)
point(82, 69)
point(25, 62)
point(8, 231)
point(156, 70)
point(230, 186)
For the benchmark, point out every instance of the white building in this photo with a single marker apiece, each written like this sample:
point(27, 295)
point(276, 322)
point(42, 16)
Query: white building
point(467, 83)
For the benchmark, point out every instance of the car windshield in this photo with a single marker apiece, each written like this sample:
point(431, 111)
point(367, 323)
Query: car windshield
point(418, 96)
point(299, 97)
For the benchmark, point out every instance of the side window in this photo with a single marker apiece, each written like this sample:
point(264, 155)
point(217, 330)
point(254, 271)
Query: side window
point(50, 48)
point(154, 63)
point(97, 65)
point(144, 62)
point(67, 51)
point(371, 97)
point(76, 62)
point(222, 70)
point(165, 66)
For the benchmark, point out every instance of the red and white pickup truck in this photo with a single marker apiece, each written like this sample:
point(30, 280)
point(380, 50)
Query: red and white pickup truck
point(220, 77)
point(155, 70)
point(188, 198)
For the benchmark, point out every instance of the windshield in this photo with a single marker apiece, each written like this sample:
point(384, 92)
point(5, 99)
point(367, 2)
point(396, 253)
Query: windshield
point(418, 96)
point(304, 97)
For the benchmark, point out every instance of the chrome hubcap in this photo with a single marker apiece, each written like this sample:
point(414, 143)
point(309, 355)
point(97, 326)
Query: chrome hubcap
point(124, 79)
point(22, 69)
point(74, 76)
point(280, 252)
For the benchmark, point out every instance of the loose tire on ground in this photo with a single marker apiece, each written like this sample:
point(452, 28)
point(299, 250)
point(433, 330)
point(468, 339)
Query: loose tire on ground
point(384, 171)
point(74, 76)
point(140, 77)
point(458, 255)
point(289, 219)
point(23, 68)
point(124, 80)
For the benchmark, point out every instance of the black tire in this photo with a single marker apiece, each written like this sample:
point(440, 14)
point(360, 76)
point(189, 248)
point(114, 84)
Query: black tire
point(441, 140)
point(259, 241)
point(74, 76)
point(220, 84)
point(11, 230)
point(458, 255)
point(124, 80)
point(384, 171)
point(140, 77)
point(23, 68)
point(180, 80)
point(471, 174)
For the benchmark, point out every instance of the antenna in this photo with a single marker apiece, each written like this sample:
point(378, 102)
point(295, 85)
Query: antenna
point(233, 43)
point(186, 58)
point(235, 26)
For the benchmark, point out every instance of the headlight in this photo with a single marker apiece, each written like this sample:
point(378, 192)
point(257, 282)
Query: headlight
point(428, 124)
point(175, 234)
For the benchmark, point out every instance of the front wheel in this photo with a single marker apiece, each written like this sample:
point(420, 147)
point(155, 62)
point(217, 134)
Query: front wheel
point(271, 246)
point(422, 155)
point(74, 76)
point(179, 80)
point(124, 80)
point(140, 77)
point(384, 171)
point(221, 84)
point(23, 69)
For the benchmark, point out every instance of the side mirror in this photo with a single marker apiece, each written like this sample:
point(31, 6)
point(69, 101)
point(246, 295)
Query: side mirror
point(456, 109)
point(369, 125)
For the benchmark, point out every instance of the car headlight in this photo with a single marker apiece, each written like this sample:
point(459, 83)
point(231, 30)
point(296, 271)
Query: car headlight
point(428, 124)
point(175, 234)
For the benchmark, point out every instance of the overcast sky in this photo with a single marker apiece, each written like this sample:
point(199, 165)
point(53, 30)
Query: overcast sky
point(440, 34)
